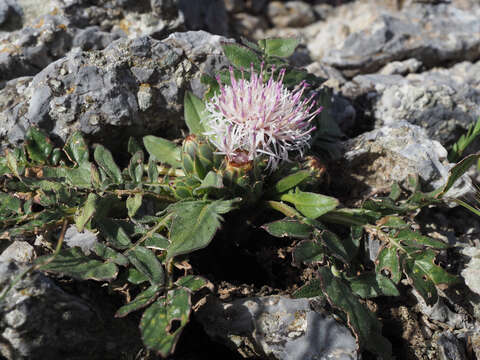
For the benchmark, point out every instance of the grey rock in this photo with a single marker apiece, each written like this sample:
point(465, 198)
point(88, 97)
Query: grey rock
point(135, 85)
point(443, 101)
point(209, 15)
point(401, 67)
point(440, 312)
point(93, 38)
point(10, 15)
point(290, 14)
point(432, 34)
point(19, 251)
point(234, 6)
point(471, 273)
point(26, 51)
point(166, 9)
point(450, 348)
point(38, 320)
point(278, 328)
point(376, 159)
point(249, 25)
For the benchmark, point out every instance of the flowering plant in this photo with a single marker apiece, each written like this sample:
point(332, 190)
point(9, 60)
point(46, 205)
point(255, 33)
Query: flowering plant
point(146, 222)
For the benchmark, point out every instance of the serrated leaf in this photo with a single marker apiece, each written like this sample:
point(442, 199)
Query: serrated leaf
point(104, 159)
point(194, 224)
point(290, 181)
point(142, 300)
point(72, 262)
point(281, 47)
point(147, 263)
point(194, 112)
point(76, 148)
point(308, 252)
point(370, 285)
point(364, 324)
point(192, 282)
point(157, 323)
point(240, 56)
point(389, 259)
point(134, 203)
point(311, 205)
point(164, 151)
point(288, 227)
point(86, 212)
point(38, 145)
point(311, 289)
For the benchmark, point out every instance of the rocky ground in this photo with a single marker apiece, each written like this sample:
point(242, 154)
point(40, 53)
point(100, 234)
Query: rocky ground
point(405, 84)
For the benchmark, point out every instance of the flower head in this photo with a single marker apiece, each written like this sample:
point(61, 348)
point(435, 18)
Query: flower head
point(252, 118)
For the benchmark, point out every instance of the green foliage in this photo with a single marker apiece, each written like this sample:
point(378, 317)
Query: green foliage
point(459, 147)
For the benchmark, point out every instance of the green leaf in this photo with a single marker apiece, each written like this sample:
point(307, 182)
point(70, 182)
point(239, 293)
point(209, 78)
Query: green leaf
point(147, 263)
point(104, 159)
point(364, 324)
point(194, 112)
point(114, 233)
point(133, 204)
point(141, 301)
point(343, 249)
point(81, 176)
point(310, 204)
point(164, 151)
point(457, 171)
point(135, 167)
point(351, 217)
point(311, 289)
point(212, 182)
point(465, 140)
point(416, 240)
point(281, 47)
point(157, 241)
point(38, 145)
point(107, 253)
point(425, 274)
point(194, 224)
point(133, 146)
point(192, 282)
point(395, 191)
point(163, 322)
point(240, 56)
point(290, 181)
point(136, 277)
point(86, 212)
point(288, 227)
point(73, 262)
point(9, 204)
point(76, 148)
point(388, 259)
point(391, 221)
point(152, 171)
point(370, 285)
point(308, 252)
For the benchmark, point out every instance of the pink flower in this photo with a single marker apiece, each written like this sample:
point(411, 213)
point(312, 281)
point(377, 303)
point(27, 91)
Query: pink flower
point(253, 118)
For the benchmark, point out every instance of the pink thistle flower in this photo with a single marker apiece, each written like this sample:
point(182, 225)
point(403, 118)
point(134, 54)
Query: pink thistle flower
point(253, 118)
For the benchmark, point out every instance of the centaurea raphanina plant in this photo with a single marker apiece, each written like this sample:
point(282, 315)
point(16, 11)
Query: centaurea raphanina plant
point(256, 118)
